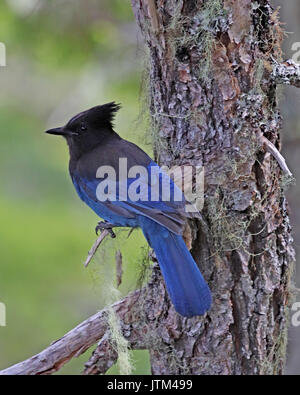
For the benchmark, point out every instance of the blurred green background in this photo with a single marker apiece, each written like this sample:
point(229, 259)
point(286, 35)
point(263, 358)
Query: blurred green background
point(62, 57)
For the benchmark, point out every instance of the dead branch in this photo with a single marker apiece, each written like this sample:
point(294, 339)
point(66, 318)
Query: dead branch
point(95, 246)
point(270, 147)
point(75, 342)
point(287, 73)
point(102, 358)
point(139, 313)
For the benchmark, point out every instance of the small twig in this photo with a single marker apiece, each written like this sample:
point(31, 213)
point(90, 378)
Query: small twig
point(130, 232)
point(270, 147)
point(95, 246)
point(119, 269)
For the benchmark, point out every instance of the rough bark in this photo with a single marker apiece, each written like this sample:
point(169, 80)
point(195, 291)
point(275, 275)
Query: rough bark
point(212, 101)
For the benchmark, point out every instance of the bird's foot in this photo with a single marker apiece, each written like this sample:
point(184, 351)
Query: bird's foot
point(105, 226)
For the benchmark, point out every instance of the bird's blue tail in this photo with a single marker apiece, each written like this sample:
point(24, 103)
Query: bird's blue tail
point(186, 286)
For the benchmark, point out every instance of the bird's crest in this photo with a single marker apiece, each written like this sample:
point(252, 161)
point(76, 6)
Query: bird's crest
point(98, 116)
point(104, 114)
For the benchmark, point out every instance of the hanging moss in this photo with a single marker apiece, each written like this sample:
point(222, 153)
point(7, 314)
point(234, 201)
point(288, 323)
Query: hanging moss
point(199, 31)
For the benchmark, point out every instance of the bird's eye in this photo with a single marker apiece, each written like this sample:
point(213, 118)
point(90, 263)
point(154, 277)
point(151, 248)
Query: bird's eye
point(83, 126)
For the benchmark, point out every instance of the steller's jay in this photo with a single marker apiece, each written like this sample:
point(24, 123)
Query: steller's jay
point(94, 145)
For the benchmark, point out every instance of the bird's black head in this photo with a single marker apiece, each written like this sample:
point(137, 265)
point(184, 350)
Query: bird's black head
point(89, 128)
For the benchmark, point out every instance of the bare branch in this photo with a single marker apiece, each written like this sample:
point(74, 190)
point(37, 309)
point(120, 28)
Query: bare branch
point(75, 342)
point(270, 147)
point(102, 358)
point(95, 246)
point(287, 73)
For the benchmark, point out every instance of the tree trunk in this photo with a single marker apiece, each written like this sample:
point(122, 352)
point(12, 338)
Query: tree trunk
point(212, 103)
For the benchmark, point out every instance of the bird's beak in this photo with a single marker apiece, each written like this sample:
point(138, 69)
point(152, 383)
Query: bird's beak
point(57, 131)
point(60, 132)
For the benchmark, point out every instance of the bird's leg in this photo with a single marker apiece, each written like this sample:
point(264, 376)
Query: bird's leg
point(102, 225)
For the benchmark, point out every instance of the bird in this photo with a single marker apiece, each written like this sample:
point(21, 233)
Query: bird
point(96, 152)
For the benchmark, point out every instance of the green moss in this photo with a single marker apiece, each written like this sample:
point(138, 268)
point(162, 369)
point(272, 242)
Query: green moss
point(230, 228)
point(197, 31)
point(286, 182)
point(145, 267)
point(119, 343)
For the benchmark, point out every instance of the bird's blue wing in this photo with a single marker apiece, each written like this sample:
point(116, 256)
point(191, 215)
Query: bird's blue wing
point(137, 196)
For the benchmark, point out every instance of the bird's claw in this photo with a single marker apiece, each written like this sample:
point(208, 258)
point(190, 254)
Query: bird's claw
point(105, 226)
